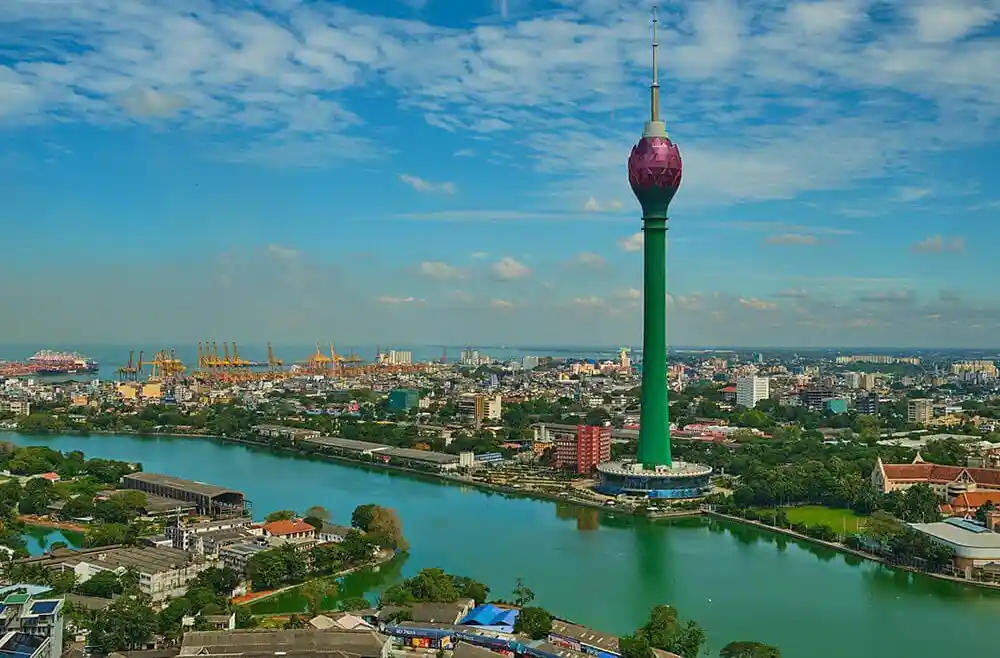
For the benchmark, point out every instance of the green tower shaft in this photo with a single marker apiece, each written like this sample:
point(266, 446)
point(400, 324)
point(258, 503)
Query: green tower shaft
point(654, 431)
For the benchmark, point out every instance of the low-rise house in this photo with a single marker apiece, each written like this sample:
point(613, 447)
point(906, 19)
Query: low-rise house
point(330, 532)
point(236, 556)
point(290, 529)
point(343, 621)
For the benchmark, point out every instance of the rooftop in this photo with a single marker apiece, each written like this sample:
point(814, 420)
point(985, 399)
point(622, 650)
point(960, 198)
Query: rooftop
point(960, 534)
point(347, 444)
point(199, 488)
point(422, 455)
point(288, 527)
point(585, 635)
point(145, 559)
point(310, 641)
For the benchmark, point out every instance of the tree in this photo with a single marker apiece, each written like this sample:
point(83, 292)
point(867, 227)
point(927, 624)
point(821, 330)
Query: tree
point(353, 603)
point(534, 622)
point(356, 547)
point(280, 515)
point(128, 623)
point(635, 646)
point(523, 595)
point(222, 581)
point(981, 512)
point(472, 589)
point(749, 650)
point(266, 570)
point(361, 517)
point(103, 584)
point(319, 512)
point(386, 529)
point(882, 527)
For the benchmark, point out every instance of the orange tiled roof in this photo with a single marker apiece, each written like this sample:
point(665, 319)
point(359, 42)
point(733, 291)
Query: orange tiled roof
point(938, 474)
point(286, 527)
point(975, 499)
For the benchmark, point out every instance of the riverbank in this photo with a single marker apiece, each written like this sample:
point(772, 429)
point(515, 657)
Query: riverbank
point(383, 557)
point(44, 522)
point(847, 550)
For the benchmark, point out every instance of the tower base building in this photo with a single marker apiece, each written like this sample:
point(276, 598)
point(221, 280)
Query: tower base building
point(678, 481)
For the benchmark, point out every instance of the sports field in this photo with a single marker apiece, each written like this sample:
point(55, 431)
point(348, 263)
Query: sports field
point(837, 519)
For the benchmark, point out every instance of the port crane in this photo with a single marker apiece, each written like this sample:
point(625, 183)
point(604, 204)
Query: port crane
point(273, 362)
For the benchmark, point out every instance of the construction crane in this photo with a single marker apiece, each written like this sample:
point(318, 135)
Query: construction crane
point(128, 371)
point(272, 362)
point(140, 364)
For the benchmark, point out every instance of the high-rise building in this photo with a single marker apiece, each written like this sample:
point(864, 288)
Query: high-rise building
point(479, 407)
point(868, 381)
point(751, 390)
point(397, 358)
point(866, 404)
point(582, 452)
point(920, 410)
point(852, 379)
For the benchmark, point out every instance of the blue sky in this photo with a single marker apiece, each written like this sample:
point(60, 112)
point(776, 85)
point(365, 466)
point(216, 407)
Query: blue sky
point(432, 171)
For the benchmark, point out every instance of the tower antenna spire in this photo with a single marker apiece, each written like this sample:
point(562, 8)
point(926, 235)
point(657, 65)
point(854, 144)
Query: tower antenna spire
point(654, 88)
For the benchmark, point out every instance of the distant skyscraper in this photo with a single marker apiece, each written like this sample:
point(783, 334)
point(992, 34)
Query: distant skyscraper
point(751, 390)
point(919, 411)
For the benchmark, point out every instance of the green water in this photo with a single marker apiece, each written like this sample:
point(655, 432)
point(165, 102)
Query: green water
point(606, 571)
point(39, 538)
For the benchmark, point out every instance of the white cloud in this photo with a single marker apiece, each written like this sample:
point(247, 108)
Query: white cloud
point(502, 304)
point(632, 294)
point(280, 79)
point(593, 205)
point(939, 243)
point(462, 297)
point(389, 299)
point(792, 239)
point(589, 260)
point(758, 304)
point(480, 255)
point(423, 185)
point(285, 253)
point(441, 271)
point(911, 194)
point(509, 269)
point(588, 302)
point(939, 22)
point(632, 242)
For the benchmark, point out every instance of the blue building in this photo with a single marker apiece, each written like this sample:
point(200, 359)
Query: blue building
point(403, 399)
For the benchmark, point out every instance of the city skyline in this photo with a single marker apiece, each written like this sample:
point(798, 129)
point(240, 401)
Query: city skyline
point(405, 171)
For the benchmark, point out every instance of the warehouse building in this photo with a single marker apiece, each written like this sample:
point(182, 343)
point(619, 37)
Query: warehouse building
point(207, 498)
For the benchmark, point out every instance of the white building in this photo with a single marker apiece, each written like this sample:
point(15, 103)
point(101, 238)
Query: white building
point(751, 390)
point(397, 358)
point(853, 379)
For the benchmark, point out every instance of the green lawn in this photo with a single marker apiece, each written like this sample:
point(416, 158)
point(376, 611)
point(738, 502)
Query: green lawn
point(817, 514)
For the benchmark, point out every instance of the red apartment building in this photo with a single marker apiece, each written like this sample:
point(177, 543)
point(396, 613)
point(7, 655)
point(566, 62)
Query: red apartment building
point(583, 452)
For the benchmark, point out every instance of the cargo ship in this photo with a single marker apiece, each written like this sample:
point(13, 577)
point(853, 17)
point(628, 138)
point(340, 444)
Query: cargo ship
point(49, 362)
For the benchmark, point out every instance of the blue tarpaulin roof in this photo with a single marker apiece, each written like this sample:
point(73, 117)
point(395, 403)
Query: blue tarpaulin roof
point(490, 615)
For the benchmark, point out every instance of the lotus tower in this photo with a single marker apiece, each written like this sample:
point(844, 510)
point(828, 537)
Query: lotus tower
point(654, 173)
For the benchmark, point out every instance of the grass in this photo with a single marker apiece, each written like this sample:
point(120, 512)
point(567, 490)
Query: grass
point(837, 519)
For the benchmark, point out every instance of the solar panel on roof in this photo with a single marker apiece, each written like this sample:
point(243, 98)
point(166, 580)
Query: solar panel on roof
point(43, 607)
point(966, 525)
